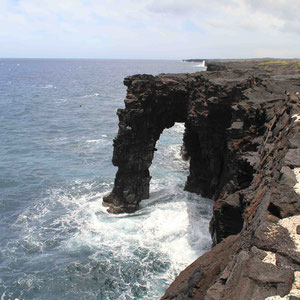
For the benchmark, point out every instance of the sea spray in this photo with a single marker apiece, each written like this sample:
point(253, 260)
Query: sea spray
point(59, 242)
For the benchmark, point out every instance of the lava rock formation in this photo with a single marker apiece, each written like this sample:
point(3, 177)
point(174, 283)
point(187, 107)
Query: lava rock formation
point(242, 136)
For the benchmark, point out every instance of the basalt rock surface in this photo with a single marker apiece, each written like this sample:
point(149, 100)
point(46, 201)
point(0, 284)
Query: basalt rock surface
point(242, 136)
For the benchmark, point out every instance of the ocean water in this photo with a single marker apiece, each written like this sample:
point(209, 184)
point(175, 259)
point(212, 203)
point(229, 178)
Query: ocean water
point(58, 120)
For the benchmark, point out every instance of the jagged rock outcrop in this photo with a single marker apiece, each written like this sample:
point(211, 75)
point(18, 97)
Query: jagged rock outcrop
point(155, 103)
point(242, 137)
point(262, 261)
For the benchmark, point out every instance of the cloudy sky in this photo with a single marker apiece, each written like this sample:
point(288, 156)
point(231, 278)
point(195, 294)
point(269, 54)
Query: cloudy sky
point(150, 29)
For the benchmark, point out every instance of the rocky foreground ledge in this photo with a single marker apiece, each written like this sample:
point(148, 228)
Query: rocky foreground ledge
point(242, 136)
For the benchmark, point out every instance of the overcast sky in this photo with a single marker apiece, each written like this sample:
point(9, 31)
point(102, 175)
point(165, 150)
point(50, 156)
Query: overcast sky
point(150, 29)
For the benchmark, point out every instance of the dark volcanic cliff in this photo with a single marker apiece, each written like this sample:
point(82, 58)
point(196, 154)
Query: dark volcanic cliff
point(242, 135)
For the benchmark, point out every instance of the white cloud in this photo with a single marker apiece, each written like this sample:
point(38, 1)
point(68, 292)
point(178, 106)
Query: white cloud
point(149, 28)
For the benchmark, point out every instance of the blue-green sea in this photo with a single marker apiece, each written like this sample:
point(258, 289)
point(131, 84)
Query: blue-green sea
point(58, 120)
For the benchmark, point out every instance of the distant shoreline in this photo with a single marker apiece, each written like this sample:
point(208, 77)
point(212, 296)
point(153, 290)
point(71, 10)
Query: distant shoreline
point(236, 59)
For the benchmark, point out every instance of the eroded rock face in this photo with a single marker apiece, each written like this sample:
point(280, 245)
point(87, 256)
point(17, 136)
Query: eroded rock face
point(206, 107)
point(242, 135)
point(262, 261)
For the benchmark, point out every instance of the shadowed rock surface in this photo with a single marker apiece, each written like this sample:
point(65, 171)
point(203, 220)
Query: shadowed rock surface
point(242, 134)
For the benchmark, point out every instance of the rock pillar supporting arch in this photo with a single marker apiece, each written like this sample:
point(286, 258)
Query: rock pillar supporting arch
point(151, 105)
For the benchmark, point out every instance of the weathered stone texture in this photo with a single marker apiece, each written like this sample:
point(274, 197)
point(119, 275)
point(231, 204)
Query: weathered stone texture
point(263, 262)
point(242, 134)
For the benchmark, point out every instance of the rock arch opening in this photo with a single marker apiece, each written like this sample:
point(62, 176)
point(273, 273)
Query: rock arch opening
point(153, 104)
point(150, 107)
point(169, 170)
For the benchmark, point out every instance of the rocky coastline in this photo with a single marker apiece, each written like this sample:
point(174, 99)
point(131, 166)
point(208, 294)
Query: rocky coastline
point(242, 137)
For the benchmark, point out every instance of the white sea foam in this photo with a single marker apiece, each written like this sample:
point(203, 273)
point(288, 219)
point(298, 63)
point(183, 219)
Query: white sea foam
point(90, 95)
point(178, 127)
point(164, 235)
point(202, 64)
point(95, 141)
point(62, 99)
point(48, 86)
point(64, 243)
point(140, 253)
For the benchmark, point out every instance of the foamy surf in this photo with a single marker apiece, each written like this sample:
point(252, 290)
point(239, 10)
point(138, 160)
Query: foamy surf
point(201, 65)
point(127, 256)
point(96, 141)
point(90, 95)
point(59, 241)
point(143, 251)
point(48, 86)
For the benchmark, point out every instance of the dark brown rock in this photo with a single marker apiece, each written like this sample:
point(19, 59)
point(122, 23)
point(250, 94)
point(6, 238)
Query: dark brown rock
point(242, 139)
point(209, 266)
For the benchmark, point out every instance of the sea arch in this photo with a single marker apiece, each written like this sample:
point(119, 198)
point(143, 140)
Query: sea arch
point(153, 104)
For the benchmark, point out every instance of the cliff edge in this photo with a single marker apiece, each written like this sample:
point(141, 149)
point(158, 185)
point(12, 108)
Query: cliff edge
point(242, 137)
